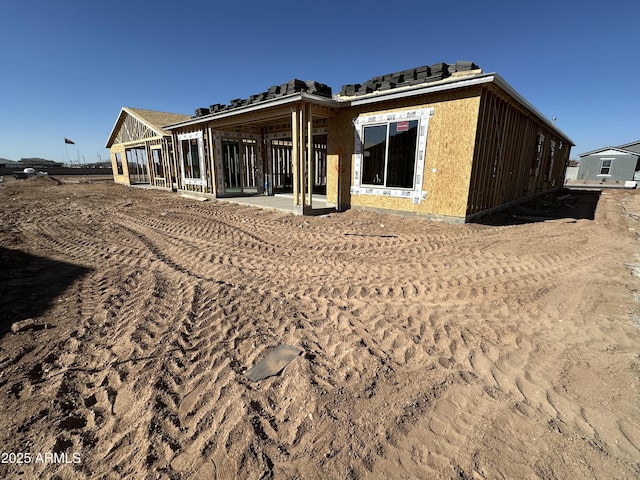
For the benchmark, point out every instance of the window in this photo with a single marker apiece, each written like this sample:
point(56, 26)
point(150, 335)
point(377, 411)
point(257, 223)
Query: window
point(137, 164)
point(119, 163)
point(156, 155)
point(191, 150)
point(605, 166)
point(190, 158)
point(389, 154)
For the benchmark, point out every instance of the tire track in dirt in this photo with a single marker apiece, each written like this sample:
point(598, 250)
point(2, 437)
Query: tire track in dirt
point(412, 343)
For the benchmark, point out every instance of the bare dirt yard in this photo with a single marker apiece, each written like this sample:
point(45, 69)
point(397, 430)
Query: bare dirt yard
point(502, 349)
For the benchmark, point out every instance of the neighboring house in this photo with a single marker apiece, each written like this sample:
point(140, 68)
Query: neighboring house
point(611, 164)
point(571, 173)
point(6, 163)
point(141, 150)
point(446, 141)
point(39, 163)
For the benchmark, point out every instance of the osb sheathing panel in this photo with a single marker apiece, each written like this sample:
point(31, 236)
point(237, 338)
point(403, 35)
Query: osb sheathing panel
point(332, 177)
point(450, 144)
point(340, 145)
point(449, 156)
point(124, 178)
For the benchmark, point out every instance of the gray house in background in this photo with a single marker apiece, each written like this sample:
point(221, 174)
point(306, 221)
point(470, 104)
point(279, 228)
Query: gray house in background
point(611, 164)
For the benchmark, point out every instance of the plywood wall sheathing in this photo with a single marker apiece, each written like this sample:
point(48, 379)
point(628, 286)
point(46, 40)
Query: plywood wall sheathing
point(340, 145)
point(450, 147)
point(449, 150)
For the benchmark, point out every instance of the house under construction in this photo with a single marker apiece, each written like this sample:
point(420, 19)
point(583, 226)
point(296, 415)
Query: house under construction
point(445, 141)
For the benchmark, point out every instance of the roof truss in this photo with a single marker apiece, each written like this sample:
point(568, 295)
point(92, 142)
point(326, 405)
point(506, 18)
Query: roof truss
point(133, 129)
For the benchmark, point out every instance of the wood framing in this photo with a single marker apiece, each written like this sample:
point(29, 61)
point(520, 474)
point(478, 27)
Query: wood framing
point(447, 141)
point(141, 150)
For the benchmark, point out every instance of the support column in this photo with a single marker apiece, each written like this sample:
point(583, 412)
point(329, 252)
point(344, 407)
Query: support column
point(301, 155)
point(295, 153)
point(212, 177)
point(310, 171)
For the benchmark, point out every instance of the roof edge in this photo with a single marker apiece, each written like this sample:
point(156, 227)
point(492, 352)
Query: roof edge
point(275, 102)
point(621, 150)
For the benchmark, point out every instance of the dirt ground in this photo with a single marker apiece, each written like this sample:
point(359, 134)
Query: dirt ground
point(502, 349)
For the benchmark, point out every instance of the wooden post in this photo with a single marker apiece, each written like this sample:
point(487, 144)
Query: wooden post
point(295, 152)
point(301, 137)
point(310, 171)
point(212, 177)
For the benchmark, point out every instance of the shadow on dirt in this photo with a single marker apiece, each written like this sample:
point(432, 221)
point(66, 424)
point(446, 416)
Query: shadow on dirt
point(29, 284)
point(564, 205)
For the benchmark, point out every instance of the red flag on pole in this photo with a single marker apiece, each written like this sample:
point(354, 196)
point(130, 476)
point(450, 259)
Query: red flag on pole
point(66, 140)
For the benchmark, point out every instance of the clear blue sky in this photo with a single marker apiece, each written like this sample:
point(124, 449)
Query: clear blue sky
point(68, 67)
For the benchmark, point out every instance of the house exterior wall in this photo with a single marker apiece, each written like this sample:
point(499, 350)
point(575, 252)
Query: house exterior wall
point(122, 179)
point(622, 167)
point(516, 155)
point(163, 144)
point(205, 183)
point(447, 160)
point(340, 157)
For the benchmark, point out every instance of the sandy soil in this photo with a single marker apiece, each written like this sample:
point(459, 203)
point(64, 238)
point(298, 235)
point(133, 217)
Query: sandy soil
point(508, 349)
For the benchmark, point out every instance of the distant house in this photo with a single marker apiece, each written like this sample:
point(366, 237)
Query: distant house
point(6, 163)
point(141, 150)
point(39, 163)
point(445, 141)
point(611, 164)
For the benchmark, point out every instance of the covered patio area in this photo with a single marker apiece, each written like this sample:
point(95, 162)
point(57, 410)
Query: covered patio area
point(269, 150)
point(283, 202)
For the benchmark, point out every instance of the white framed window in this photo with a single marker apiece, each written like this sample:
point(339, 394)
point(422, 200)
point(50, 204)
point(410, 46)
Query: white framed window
point(191, 148)
point(605, 166)
point(390, 153)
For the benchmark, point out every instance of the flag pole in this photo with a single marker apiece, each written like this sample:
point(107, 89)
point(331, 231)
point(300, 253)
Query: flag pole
point(67, 142)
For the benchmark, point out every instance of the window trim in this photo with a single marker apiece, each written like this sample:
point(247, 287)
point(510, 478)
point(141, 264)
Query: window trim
point(188, 180)
point(387, 154)
point(602, 160)
point(371, 119)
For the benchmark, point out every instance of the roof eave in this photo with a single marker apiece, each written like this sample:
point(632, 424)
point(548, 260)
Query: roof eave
point(511, 91)
point(142, 120)
point(412, 91)
point(112, 135)
point(462, 82)
point(275, 102)
point(604, 149)
point(129, 111)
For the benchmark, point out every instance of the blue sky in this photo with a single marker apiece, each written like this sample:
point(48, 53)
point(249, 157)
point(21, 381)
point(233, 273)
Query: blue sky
point(66, 68)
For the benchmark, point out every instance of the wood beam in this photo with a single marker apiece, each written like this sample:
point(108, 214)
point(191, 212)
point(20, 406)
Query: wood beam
point(310, 153)
point(301, 155)
point(295, 152)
